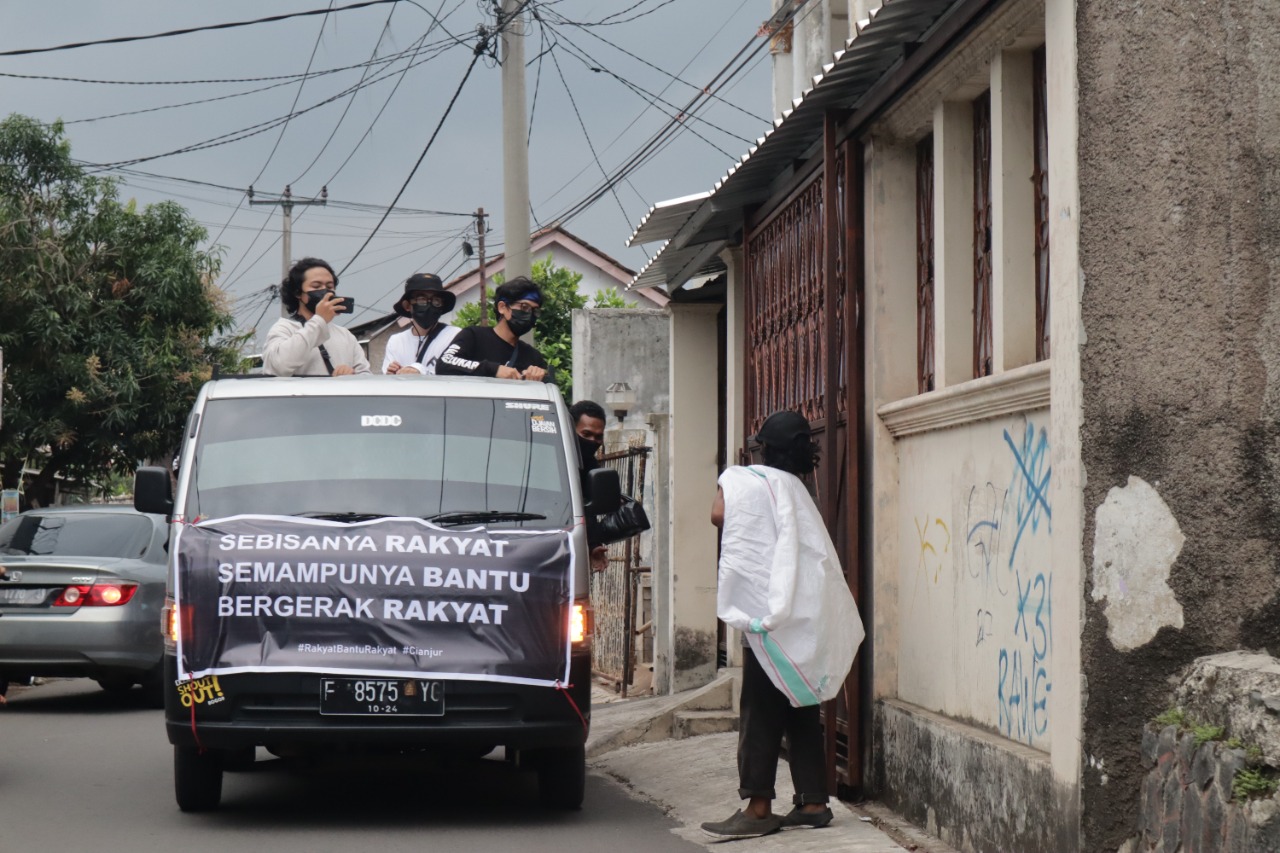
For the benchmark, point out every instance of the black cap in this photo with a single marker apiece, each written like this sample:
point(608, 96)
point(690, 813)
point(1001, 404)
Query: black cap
point(781, 428)
point(424, 281)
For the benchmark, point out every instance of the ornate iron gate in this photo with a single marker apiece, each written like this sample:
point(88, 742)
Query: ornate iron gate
point(803, 349)
point(615, 596)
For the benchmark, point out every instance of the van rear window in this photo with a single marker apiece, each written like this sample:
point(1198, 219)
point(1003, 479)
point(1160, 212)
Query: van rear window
point(404, 456)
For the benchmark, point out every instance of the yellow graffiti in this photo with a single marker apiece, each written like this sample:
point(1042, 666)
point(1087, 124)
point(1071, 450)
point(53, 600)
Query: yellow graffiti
point(201, 690)
point(927, 536)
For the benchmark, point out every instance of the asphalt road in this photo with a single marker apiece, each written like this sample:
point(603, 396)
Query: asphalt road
point(84, 770)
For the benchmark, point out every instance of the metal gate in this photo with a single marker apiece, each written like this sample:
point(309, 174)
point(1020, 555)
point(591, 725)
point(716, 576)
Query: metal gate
point(615, 598)
point(803, 351)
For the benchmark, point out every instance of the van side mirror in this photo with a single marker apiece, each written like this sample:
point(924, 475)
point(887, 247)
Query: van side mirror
point(153, 491)
point(604, 491)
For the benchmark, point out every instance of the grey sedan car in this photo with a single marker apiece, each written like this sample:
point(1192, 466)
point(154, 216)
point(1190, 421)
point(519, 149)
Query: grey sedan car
point(81, 593)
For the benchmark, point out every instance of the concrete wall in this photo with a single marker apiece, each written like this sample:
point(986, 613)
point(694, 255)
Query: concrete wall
point(1179, 212)
point(693, 444)
point(976, 791)
point(975, 618)
point(631, 345)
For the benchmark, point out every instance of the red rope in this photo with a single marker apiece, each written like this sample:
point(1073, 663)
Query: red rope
point(564, 688)
point(195, 734)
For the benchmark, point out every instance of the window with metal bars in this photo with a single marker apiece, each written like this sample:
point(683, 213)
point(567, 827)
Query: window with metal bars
point(1040, 180)
point(983, 337)
point(924, 266)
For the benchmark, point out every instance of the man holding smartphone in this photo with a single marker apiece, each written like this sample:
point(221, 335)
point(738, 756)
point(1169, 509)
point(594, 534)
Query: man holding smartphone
point(308, 342)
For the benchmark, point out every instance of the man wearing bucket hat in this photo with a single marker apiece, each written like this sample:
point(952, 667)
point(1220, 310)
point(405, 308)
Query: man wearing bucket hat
point(419, 347)
point(780, 583)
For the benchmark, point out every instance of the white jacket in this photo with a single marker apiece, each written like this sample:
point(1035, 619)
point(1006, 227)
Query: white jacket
point(403, 347)
point(293, 348)
point(781, 583)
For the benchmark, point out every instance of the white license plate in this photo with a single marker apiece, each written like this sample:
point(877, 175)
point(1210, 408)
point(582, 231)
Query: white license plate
point(405, 697)
point(23, 596)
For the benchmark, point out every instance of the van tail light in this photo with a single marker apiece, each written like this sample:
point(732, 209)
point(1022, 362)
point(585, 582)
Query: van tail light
point(98, 595)
point(580, 624)
point(169, 623)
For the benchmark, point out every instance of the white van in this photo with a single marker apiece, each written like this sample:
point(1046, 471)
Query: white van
point(375, 562)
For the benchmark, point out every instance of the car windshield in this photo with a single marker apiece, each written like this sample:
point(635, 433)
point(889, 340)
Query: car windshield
point(349, 458)
point(75, 535)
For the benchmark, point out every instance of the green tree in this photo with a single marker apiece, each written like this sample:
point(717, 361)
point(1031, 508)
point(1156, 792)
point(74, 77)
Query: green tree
point(554, 333)
point(112, 319)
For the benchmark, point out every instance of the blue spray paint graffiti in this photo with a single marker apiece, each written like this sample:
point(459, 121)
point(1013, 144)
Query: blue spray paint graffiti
point(1024, 682)
point(1023, 679)
point(1030, 485)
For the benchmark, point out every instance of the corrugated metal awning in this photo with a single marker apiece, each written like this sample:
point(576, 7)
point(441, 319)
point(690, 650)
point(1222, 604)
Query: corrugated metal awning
point(697, 227)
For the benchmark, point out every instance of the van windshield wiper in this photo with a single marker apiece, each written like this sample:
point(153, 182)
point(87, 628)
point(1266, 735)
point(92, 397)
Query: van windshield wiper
point(473, 515)
point(334, 515)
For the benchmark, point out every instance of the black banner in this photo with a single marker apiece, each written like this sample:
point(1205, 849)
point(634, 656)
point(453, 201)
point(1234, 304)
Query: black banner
point(394, 596)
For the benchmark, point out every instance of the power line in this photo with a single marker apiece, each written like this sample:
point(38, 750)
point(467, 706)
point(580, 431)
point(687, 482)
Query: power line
point(675, 78)
point(346, 205)
point(287, 77)
point(301, 83)
point(608, 20)
point(346, 109)
point(188, 30)
point(297, 95)
point(437, 21)
point(177, 106)
point(641, 114)
point(246, 132)
point(573, 103)
point(475, 57)
point(674, 126)
point(591, 63)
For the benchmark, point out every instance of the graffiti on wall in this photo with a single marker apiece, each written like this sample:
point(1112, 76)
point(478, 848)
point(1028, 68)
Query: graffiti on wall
point(1014, 616)
point(935, 541)
point(1031, 472)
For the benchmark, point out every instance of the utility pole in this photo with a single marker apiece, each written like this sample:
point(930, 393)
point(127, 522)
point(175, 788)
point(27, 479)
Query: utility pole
point(484, 298)
point(286, 202)
point(515, 149)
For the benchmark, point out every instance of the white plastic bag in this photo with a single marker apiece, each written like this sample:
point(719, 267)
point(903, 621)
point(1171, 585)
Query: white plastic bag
point(781, 583)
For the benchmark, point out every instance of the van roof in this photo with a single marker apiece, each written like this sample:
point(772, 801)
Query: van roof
point(378, 386)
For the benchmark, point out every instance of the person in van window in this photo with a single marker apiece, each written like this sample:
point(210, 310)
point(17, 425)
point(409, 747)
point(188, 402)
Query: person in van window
point(588, 426)
point(308, 342)
point(498, 350)
point(418, 348)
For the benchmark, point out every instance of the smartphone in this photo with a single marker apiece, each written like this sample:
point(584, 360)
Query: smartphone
point(345, 304)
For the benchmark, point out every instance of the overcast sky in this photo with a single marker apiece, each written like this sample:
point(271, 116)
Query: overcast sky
point(692, 39)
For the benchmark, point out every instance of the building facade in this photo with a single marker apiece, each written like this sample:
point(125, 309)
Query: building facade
point(1016, 260)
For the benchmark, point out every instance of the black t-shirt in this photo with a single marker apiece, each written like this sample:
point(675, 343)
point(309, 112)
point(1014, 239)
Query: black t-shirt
point(479, 351)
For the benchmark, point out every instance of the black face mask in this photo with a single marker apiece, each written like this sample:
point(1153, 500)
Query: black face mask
point(588, 449)
point(521, 322)
point(426, 316)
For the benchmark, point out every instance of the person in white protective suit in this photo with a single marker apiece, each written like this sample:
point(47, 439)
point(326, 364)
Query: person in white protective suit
point(781, 584)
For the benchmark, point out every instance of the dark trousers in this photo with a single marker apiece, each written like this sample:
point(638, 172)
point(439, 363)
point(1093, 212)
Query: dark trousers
point(764, 716)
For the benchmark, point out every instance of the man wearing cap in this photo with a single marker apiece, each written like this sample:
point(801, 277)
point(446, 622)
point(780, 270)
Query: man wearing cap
point(778, 567)
point(418, 348)
point(498, 350)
